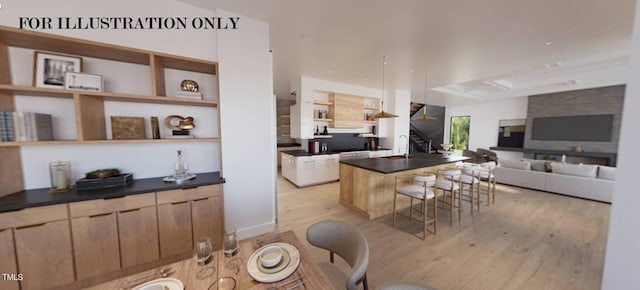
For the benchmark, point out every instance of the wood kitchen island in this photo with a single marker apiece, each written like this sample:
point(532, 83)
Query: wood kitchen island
point(367, 185)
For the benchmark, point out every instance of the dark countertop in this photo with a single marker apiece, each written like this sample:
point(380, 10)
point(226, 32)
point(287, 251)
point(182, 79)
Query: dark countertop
point(288, 145)
point(300, 153)
point(42, 197)
point(416, 161)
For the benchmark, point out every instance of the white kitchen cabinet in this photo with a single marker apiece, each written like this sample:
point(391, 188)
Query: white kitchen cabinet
point(289, 167)
point(331, 164)
point(379, 153)
point(310, 170)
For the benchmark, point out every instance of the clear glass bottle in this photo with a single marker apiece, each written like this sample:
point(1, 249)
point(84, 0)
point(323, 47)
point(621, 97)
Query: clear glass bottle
point(181, 166)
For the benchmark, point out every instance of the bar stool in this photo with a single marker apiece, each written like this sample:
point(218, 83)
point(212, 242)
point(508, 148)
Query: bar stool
point(471, 178)
point(447, 180)
point(487, 173)
point(420, 188)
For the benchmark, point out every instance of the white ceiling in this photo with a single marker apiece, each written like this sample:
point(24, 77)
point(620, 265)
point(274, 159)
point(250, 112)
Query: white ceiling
point(471, 50)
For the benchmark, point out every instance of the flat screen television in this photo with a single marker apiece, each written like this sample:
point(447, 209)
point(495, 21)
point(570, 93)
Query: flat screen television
point(573, 128)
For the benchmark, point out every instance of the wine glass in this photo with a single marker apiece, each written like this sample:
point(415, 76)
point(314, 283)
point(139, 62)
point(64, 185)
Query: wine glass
point(203, 251)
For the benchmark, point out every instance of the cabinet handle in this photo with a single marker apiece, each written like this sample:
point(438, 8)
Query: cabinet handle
point(30, 226)
point(199, 199)
point(129, 210)
point(122, 196)
point(179, 202)
point(330, 159)
point(99, 215)
point(307, 161)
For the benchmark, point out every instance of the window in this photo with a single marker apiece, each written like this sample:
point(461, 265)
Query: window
point(460, 132)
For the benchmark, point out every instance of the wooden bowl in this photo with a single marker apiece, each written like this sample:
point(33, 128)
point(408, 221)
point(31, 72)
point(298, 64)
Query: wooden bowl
point(102, 173)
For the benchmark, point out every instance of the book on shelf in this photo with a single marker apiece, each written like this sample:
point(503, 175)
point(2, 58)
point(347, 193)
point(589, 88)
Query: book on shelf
point(189, 95)
point(25, 126)
point(3, 129)
point(8, 126)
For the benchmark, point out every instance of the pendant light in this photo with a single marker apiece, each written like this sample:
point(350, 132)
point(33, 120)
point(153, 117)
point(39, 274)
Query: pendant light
point(424, 116)
point(382, 114)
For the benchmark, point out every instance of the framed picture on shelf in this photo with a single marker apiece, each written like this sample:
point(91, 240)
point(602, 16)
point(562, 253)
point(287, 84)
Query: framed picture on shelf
point(50, 69)
point(83, 82)
point(126, 128)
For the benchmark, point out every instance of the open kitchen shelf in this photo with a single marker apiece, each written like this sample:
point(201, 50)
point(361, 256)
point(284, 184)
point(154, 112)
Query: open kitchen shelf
point(322, 120)
point(322, 136)
point(322, 103)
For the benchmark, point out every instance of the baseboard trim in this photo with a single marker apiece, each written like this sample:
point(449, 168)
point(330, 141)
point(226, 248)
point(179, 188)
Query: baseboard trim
point(257, 230)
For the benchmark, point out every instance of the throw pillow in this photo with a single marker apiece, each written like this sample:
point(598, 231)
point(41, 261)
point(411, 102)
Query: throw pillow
point(575, 169)
point(516, 164)
point(536, 165)
point(607, 172)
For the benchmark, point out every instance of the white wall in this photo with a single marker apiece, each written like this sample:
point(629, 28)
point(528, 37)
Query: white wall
point(623, 245)
point(143, 160)
point(247, 114)
point(398, 104)
point(483, 131)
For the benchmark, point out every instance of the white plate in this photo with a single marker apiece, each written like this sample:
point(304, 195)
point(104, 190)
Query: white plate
point(256, 274)
point(161, 284)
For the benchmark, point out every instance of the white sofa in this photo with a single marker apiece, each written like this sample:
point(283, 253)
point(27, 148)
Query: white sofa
point(586, 181)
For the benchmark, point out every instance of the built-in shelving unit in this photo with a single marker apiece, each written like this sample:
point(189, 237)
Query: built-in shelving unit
point(89, 106)
point(322, 136)
point(322, 120)
point(322, 103)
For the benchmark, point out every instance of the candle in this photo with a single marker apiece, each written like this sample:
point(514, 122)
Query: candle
point(61, 178)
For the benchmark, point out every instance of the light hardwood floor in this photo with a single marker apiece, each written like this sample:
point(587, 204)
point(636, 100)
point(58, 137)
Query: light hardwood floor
point(527, 240)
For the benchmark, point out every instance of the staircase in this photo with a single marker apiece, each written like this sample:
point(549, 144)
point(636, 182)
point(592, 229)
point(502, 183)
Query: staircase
point(418, 144)
point(415, 107)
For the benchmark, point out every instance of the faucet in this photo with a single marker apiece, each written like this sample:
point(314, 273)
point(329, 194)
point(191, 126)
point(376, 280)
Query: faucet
point(406, 144)
point(429, 149)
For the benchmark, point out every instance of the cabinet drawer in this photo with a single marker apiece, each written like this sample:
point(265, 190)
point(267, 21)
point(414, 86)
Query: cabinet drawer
point(32, 216)
point(180, 195)
point(101, 206)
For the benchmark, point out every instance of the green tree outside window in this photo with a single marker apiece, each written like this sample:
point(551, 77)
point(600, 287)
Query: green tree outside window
point(460, 132)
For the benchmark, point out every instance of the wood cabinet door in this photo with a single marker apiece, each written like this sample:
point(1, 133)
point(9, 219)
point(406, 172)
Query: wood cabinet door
point(95, 245)
point(138, 234)
point(174, 225)
point(44, 255)
point(8, 260)
point(207, 216)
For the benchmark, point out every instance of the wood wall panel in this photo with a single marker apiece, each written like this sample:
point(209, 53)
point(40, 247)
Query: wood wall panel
point(347, 111)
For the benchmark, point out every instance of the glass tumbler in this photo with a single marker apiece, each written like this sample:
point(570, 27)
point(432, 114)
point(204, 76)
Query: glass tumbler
point(230, 243)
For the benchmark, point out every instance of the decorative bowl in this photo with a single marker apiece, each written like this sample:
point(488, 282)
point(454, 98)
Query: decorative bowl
point(446, 147)
point(271, 256)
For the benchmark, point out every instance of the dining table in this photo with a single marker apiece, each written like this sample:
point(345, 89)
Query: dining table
point(224, 272)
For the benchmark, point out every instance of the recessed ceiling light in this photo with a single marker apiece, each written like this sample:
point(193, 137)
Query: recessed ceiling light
point(328, 72)
point(548, 43)
point(413, 71)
